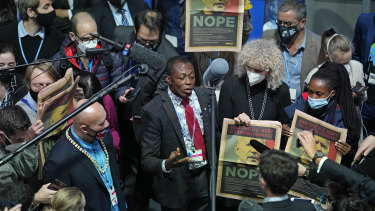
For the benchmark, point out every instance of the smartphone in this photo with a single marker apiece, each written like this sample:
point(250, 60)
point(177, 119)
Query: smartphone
point(359, 89)
point(132, 94)
point(56, 185)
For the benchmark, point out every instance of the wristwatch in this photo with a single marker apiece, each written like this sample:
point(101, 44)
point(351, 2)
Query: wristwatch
point(317, 155)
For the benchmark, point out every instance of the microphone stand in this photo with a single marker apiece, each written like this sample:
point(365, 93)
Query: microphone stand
point(213, 165)
point(110, 87)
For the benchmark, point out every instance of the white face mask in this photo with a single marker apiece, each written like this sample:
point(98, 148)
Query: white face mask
point(255, 78)
point(87, 44)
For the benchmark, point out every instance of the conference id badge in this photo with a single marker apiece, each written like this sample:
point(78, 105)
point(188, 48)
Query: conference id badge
point(371, 79)
point(293, 94)
point(113, 195)
point(197, 156)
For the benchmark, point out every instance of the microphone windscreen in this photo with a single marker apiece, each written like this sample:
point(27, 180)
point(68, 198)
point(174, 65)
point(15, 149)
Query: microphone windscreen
point(147, 56)
point(258, 146)
point(216, 71)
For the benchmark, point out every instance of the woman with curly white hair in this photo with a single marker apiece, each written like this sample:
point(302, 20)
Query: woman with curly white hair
point(256, 92)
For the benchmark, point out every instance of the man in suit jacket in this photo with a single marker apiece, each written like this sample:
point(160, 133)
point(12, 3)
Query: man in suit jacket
point(84, 158)
point(177, 140)
point(354, 182)
point(300, 47)
point(278, 173)
point(109, 14)
point(364, 35)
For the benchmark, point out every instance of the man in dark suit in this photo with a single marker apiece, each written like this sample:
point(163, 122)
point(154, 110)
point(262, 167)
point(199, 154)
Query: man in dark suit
point(278, 173)
point(352, 181)
point(112, 13)
point(84, 158)
point(176, 141)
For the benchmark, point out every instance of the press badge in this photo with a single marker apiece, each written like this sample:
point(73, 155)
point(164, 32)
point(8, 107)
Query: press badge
point(293, 94)
point(371, 79)
point(197, 156)
point(113, 196)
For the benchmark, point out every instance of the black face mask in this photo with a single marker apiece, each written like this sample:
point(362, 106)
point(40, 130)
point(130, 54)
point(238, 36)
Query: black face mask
point(287, 33)
point(5, 76)
point(117, 3)
point(152, 46)
point(34, 95)
point(46, 19)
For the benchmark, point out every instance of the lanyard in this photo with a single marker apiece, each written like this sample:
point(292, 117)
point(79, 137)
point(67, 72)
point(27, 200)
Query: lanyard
point(28, 104)
point(187, 133)
point(5, 100)
point(23, 54)
point(287, 69)
point(90, 69)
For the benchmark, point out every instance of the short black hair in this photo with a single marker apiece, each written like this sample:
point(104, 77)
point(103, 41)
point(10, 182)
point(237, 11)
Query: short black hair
point(172, 61)
point(13, 118)
point(7, 48)
point(279, 170)
point(18, 193)
point(151, 19)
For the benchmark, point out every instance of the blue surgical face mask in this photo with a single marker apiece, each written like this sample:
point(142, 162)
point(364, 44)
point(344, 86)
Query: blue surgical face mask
point(318, 103)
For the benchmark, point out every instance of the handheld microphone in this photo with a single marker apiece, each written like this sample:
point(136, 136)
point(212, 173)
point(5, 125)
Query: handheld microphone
point(135, 51)
point(258, 146)
point(215, 72)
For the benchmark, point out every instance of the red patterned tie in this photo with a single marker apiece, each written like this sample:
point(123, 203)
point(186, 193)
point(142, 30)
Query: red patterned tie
point(198, 137)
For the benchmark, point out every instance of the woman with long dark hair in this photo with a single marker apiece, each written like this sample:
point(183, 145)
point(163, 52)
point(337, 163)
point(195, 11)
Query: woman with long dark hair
point(329, 98)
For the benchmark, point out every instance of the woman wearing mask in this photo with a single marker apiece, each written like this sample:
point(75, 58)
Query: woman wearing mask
point(12, 87)
point(330, 99)
point(256, 92)
point(37, 77)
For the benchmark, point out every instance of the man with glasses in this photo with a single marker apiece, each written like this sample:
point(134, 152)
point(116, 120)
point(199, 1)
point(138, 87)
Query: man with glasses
point(300, 47)
point(107, 67)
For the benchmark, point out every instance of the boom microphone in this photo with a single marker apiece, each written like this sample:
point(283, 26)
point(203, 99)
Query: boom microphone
point(135, 51)
point(258, 146)
point(215, 72)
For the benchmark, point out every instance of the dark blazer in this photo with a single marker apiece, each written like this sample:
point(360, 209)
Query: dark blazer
point(104, 17)
point(310, 54)
point(357, 183)
point(364, 34)
point(288, 205)
point(162, 135)
point(67, 164)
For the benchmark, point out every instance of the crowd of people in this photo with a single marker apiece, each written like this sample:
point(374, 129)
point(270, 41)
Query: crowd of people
point(152, 137)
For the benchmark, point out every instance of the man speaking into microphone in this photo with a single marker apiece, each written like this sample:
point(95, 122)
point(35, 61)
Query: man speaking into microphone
point(106, 67)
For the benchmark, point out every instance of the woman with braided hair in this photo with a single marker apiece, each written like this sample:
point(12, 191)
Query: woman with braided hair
point(330, 99)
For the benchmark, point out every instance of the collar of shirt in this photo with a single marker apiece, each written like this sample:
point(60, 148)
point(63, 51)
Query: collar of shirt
point(86, 146)
point(23, 33)
point(300, 48)
point(275, 199)
point(31, 101)
point(114, 10)
point(176, 100)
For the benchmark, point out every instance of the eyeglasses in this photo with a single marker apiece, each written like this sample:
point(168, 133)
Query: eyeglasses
point(148, 42)
point(286, 23)
point(85, 39)
point(254, 70)
point(39, 86)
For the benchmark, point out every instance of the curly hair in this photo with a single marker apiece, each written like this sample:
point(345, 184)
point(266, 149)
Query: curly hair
point(266, 55)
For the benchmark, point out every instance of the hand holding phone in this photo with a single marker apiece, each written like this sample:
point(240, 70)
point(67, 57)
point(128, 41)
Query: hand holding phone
point(56, 185)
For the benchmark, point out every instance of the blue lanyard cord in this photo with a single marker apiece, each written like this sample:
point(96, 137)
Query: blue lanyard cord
point(218, 56)
point(287, 69)
point(187, 133)
point(23, 54)
point(90, 69)
point(28, 104)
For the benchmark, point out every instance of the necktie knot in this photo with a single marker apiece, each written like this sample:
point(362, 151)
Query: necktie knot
point(121, 11)
point(185, 101)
